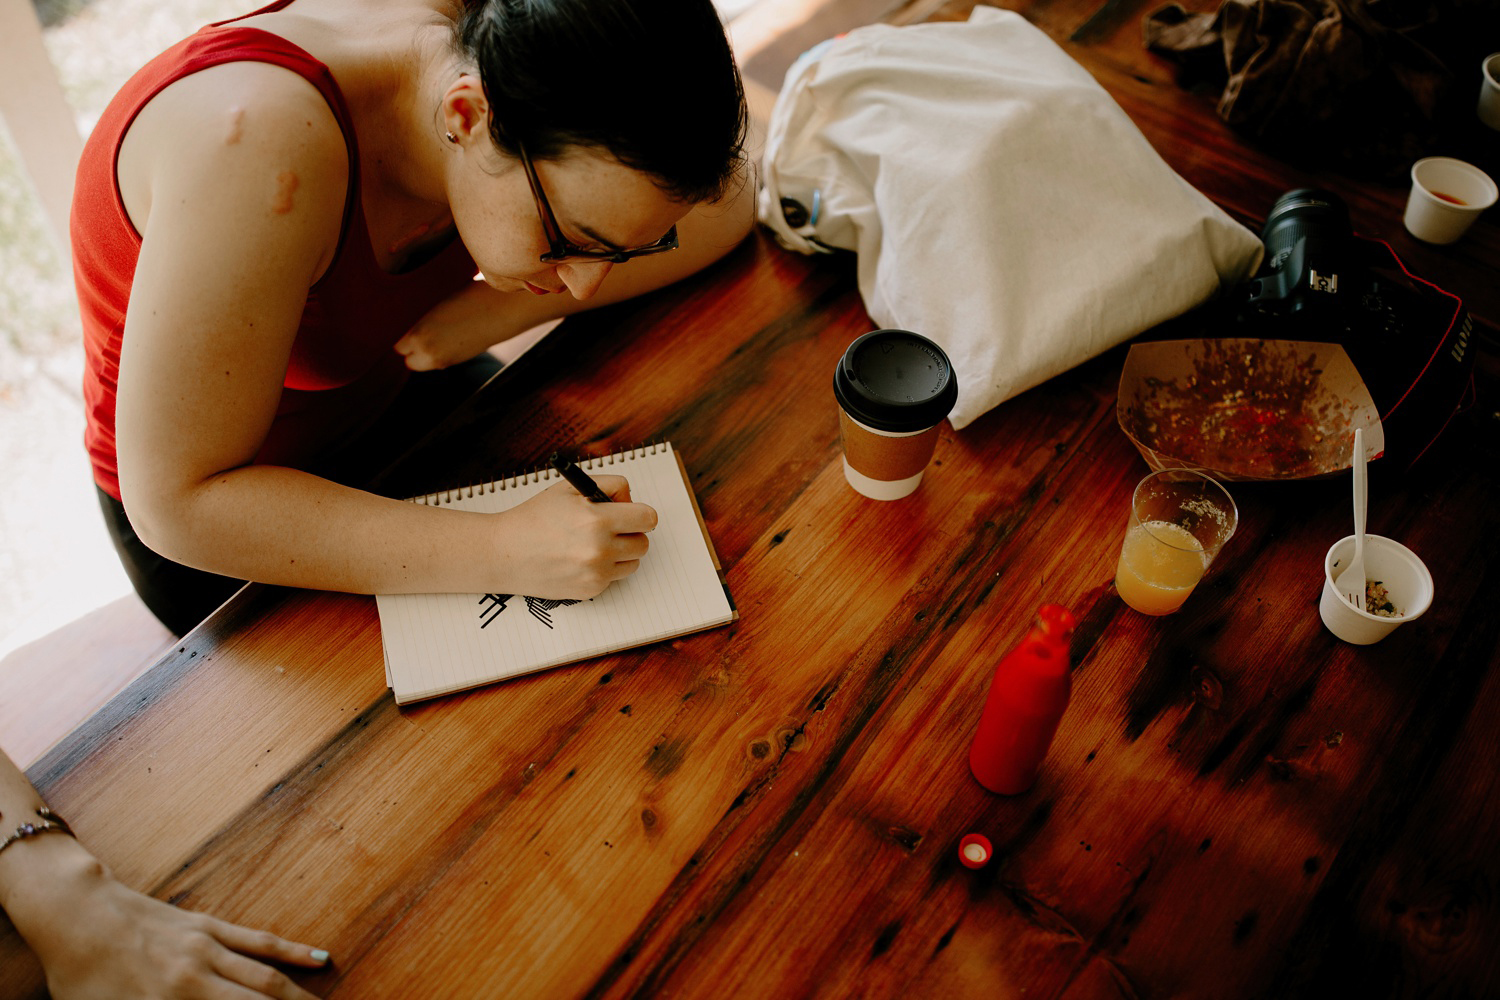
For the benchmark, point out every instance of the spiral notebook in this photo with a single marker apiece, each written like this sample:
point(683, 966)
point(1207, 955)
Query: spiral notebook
point(437, 644)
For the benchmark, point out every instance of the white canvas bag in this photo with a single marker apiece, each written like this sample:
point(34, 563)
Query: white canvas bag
point(999, 200)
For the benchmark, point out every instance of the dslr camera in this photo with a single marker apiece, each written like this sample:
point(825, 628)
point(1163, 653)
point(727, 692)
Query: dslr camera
point(1408, 338)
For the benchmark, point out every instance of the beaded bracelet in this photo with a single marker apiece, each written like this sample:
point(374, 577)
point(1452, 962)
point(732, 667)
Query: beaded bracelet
point(49, 821)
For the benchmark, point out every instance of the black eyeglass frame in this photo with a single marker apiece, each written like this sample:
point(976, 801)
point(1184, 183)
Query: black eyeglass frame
point(561, 249)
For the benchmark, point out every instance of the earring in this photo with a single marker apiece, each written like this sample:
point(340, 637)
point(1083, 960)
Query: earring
point(451, 137)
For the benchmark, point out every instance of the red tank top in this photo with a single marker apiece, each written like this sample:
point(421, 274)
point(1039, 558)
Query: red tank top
point(354, 313)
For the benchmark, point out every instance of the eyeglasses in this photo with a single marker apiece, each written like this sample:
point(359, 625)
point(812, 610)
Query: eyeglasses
point(562, 250)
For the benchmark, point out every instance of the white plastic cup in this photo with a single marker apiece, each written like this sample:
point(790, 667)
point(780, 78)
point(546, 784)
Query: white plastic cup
point(1489, 91)
point(1394, 566)
point(1447, 195)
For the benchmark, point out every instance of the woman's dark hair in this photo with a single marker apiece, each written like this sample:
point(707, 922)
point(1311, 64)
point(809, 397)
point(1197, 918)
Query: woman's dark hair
point(652, 82)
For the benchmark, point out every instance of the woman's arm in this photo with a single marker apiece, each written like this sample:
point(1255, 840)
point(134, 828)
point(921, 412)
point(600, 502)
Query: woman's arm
point(479, 317)
point(234, 234)
point(98, 939)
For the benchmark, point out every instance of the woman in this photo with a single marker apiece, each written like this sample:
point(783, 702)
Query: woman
point(278, 219)
point(97, 938)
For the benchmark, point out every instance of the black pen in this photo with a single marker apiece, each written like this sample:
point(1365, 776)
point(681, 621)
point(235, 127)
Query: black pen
point(579, 479)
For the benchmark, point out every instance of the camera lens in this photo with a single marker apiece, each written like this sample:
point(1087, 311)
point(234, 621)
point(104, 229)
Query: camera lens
point(1302, 214)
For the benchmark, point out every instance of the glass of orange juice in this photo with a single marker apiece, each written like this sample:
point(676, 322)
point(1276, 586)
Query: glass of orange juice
point(1179, 519)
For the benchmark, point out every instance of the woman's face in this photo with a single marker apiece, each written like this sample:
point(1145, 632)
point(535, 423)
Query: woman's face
point(598, 202)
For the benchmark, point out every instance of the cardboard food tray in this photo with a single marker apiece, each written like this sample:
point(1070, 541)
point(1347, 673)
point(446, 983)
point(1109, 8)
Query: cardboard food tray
point(1244, 409)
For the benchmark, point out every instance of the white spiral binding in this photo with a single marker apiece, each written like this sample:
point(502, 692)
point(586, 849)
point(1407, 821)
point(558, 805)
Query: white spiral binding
point(542, 474)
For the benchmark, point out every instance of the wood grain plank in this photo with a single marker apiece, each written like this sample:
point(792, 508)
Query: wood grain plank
point(1306, 780)
point(597, 757)
point(50, 685)
point(194, 713)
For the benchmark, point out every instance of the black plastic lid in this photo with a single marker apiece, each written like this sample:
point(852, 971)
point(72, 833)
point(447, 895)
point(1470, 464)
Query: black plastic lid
point(895, 380)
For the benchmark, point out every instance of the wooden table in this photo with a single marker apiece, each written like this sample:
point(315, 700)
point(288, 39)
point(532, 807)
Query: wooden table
point(1236, 805)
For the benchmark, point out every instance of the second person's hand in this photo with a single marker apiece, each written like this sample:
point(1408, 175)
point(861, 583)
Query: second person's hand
point(97, 938)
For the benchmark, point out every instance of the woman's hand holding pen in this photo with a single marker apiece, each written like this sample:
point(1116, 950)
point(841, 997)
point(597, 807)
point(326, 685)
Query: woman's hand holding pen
point(560, 545)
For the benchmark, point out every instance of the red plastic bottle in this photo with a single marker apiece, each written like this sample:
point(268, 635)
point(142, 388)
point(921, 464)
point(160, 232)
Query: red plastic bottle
point(1026, 702)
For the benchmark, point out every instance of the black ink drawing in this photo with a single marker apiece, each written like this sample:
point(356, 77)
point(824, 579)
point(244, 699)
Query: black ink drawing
point(496, 604)
point(541, 608)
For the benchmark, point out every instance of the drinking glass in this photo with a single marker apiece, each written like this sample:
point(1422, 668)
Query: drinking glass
point(1179, 520)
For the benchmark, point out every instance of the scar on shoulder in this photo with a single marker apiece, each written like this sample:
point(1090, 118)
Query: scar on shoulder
point(286, 185)
point(234, 131)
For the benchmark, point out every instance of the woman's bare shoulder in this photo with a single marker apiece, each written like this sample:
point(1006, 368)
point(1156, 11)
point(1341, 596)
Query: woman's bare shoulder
point(238, 138)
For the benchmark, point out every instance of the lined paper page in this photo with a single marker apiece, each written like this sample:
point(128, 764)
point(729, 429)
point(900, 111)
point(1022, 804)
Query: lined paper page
point(440, 643)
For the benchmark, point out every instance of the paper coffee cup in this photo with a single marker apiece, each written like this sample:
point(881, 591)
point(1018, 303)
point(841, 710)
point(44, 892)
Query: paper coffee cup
point(1447, 195)
point(894, 388)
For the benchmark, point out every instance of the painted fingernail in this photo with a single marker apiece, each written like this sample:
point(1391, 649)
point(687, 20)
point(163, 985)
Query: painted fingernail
point(320, 956)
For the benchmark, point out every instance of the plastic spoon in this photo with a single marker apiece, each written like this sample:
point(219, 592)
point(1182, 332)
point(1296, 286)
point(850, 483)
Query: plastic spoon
point(1351, 582)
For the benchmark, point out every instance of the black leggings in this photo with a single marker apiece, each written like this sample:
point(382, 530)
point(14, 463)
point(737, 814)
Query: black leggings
point(181, 597)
